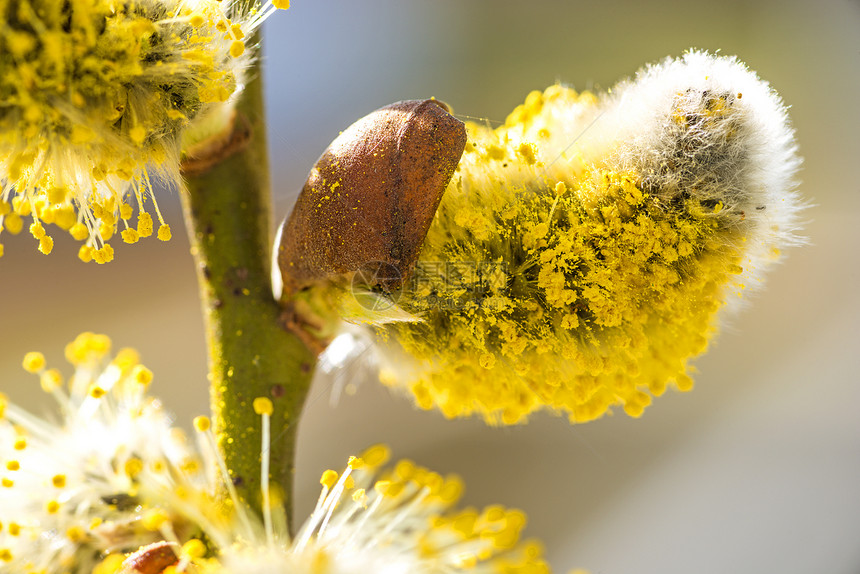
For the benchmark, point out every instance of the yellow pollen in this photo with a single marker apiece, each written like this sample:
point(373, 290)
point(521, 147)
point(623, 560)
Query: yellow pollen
point(133, 467)
point(75, 534)
point(37, 230)
point(141, 375)
point(164, 233)
point(329, 478)
point(193, 549)
point(263, 406)
point(376, 455)
point(130, 235)
point(237, 48)
point(51, 380)
point(34, 362)
point(153, 519)
point(46, 244)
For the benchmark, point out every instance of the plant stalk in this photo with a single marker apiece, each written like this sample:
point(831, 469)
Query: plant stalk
point(251, 354)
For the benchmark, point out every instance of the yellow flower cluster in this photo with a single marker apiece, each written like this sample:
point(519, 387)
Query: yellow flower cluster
point(112, 476)
point(85, 485)
point(581, 270)
point(371, 518)
point(94, 97)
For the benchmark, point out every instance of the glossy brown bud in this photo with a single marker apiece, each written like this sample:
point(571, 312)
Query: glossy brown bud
point(152, 559)
point(372, 195)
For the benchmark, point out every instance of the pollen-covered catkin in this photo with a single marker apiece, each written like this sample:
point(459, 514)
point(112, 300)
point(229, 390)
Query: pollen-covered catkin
point(95, 96)
point(581, 253)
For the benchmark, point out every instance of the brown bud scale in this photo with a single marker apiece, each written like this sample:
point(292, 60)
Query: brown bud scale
point(372, 195)
point(152, 559)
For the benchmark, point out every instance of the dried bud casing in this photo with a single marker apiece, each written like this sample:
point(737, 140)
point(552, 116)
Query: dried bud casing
point(151, 559)
point(372, 195)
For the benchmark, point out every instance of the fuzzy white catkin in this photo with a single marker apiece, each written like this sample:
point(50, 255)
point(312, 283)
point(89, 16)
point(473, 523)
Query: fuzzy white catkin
point(752, 172)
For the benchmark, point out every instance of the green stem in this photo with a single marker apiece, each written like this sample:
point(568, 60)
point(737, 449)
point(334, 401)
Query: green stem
point(228, 216)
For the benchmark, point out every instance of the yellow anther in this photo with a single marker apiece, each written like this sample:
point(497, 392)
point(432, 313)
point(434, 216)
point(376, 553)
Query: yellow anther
point(85, 253)
point(14, 529)
point(59, 480)
point(164, 233)
point(46, 244)
point(144, 224)
point(281, 4)
point(237, 48)
point(34, 362)
point(451, 490)
point(193, 549)
point(13, 465)
point(237, 32)
point(52, 507)
point(37, 230)
point(104, 255)
point(355, 463)
point(153, 519)
point(110, 565)
point(79, 231)
point(97, 392)
point(75, 534)
point(190, 465)
point(137, 134)
point(141, 375)
point(133, 467)
point(6, 555)
point(125, 211)
point(202, 423)
point(21, 206)
point(57, 195)
point(106, 231)
point(7, 482)
point(197, 20)
point(13, 223)
point(329, 478)
point(130, 235)
point(376, 455)
point(383, 487)
point(263, 406)
point(126, 358)
point(20, 443)
point(404, 469)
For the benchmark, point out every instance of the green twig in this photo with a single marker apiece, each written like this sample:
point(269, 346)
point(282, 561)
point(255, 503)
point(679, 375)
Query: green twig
point(228, 216)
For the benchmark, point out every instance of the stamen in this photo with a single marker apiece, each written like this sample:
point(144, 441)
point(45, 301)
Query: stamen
point(263, 407)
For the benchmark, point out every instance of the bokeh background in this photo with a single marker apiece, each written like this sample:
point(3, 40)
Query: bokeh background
point(756, 470)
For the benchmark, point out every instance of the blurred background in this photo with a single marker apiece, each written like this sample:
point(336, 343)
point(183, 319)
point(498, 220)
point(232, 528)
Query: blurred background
point(756, 470)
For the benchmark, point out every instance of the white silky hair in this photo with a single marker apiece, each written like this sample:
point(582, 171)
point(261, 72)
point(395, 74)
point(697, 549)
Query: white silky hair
point(747, 161)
